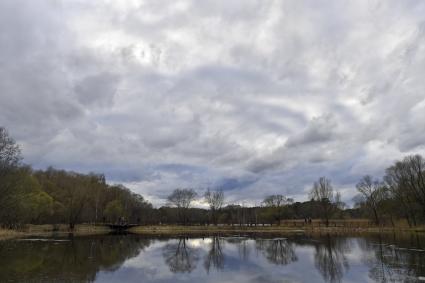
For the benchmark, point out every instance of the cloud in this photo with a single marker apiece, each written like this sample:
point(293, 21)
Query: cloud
point(260, 97)
point(320, 129)
point(99, 88)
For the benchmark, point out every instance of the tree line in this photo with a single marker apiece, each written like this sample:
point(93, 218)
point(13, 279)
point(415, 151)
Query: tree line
point(57, 196)
point(399, 194)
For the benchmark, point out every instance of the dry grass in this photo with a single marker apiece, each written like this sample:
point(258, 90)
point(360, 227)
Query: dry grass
point(173, 230)
point(48, 229)
point(81, 229)
point(284, 229)
point(297, 226)
point(9, 234)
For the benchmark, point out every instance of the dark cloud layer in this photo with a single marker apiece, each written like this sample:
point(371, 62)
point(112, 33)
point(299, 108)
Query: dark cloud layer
point(256, 97)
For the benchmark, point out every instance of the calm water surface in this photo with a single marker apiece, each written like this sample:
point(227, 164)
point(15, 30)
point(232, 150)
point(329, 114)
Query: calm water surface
point(294, 258)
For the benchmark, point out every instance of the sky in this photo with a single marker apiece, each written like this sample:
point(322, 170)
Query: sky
point(253, 97)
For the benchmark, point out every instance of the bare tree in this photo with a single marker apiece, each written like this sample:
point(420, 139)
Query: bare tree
point(215, 200)
point(275, 200)
point(180, 257)
point(414, 176)
point(323, 193)
point(182, 198)
point(275, 204)
point(373, 191)
point(215, 257)
point(406, 182)
point(10, 154)
point(277, 251)
point(330, 258)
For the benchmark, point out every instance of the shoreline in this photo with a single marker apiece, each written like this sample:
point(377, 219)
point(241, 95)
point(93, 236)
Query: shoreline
point(176, 230)
point(50, 230)
point(7, 234)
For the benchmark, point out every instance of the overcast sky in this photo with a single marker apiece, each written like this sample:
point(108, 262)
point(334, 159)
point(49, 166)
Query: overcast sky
point(255, 97)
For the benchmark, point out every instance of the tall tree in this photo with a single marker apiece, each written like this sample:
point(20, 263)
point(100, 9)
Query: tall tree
point(406, 181)
point(275, 200)
point(373, 192)
point(10, 157)
point(71, 190)
point(275, 205)
point(182, 199)
point(323, 193)
point(215, 200)
point(114, 211)
point(10, 153)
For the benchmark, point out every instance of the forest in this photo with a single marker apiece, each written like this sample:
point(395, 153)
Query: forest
point(54, 196)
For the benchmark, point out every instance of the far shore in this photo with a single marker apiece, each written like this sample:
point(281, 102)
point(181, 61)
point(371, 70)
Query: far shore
point(173, 230)
point(48, 230)
point(179, 230)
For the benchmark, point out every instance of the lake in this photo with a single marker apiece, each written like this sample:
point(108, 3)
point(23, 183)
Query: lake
point(236, 258)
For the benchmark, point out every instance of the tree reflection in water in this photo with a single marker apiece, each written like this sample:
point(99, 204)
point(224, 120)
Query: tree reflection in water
point(180, 257)
point(66, 260)
point(244, 249)
point(215, 256)
point(330, 258)
point(243, 246)
point(394, 263)
point(277, 251)
point(387, 257)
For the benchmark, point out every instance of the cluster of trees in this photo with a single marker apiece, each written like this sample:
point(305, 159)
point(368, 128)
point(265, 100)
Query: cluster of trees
point(325, 203)
point(58, 196)
point(400, 194)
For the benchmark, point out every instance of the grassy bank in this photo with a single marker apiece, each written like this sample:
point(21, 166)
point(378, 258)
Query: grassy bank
point(47, 229)
point(176, 230)
point(9, 234)
point(211, 230)
point(81, 229)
